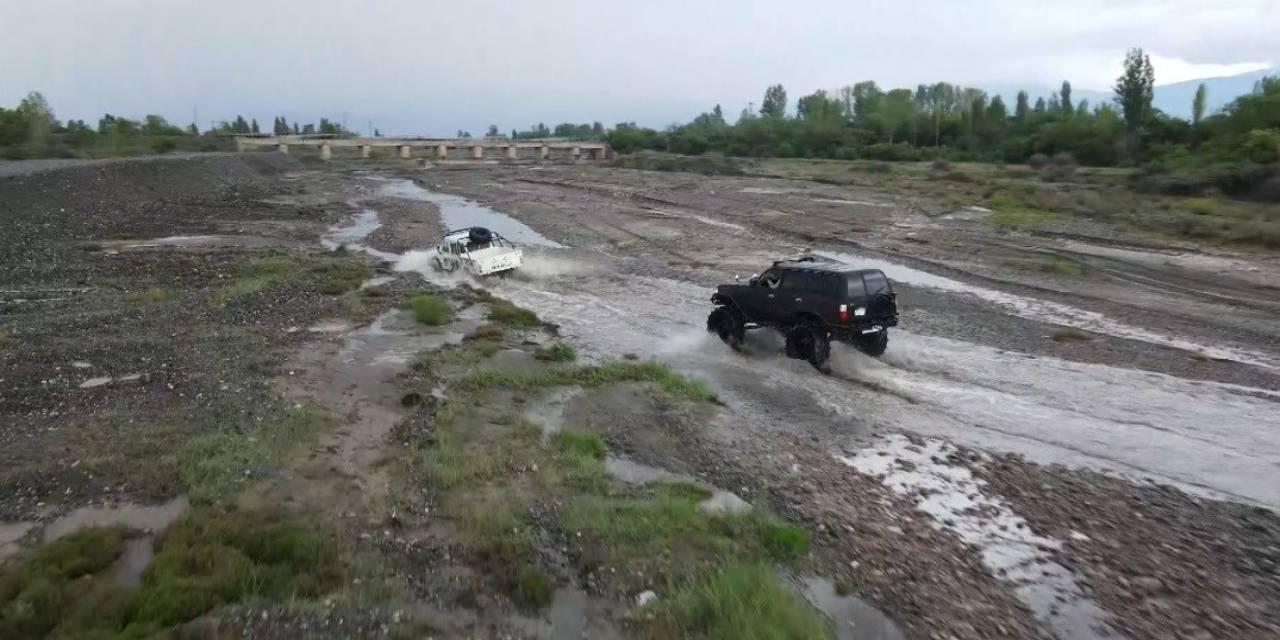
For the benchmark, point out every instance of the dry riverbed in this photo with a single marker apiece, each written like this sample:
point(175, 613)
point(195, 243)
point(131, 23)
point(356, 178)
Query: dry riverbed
point(236, 403)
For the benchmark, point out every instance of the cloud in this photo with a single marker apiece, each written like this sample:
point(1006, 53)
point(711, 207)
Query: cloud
point(434, 66)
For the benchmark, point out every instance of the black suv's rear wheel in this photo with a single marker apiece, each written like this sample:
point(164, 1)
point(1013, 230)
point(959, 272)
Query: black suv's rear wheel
point(727, 324)
point(873, 344)
point(810, 341)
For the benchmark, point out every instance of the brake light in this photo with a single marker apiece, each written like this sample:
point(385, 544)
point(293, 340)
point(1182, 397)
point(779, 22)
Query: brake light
point(844, 314)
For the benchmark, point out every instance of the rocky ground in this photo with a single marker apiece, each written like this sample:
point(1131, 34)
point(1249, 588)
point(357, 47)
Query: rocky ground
point(1088, 409)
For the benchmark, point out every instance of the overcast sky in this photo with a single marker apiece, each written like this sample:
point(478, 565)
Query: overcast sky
point(435, 66)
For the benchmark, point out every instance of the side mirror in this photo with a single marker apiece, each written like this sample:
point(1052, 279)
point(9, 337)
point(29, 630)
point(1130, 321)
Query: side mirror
point(737, 278)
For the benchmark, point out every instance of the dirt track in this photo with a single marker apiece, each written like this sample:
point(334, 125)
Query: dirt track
point(1175, 381)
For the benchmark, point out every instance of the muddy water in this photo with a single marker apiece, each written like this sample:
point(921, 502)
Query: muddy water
point(1211, 438)
point(851, 618)
point(457, 212)
point(1051, 312)
point(137, 554)
point(10, 534)
point(132, 516)
point(632, 472)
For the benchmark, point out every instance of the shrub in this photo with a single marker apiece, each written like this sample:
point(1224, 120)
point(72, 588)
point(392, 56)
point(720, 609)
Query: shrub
point(558, 352)
point(941, 165)
point(430, 309)
point(163, 145)
point(898, 151)
point(1038, 161)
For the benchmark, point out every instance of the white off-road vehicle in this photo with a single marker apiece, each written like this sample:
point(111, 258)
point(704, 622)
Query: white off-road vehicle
point(477, 251)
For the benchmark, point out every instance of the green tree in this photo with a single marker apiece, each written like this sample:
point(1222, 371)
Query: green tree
point(492, 132)
point(1065, 96)
point(866, 98)
point(775, 102)
point(35, 110)
point(253, 126)
point(1022, 107)
point(1197, 104)
point(1134, 89)
point(897, 108)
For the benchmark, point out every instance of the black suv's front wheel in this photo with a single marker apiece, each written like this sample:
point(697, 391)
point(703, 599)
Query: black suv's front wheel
point(728, 325)
point(810, 341)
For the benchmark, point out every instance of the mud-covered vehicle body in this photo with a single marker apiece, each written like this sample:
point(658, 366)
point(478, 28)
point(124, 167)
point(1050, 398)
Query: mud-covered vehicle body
point(478, 251)
point(811, 301)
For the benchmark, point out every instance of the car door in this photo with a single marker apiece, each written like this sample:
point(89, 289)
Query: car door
point(759, 298)
point(793, 296)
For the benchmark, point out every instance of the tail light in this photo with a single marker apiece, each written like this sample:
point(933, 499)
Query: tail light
point(844, 314)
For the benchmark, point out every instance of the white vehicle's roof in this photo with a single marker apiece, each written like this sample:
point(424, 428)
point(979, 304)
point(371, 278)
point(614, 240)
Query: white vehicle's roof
point(457, 235)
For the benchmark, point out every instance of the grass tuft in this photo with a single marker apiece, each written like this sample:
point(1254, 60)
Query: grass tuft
point(1062, 267)
point(213, 465)
point(1070, 334)
point(430, 309)
point(507, 313)
point(744, 602)
point(210, 558)
point(658, 373)
point(532, 589)
point(581, 443)
point(558, 352)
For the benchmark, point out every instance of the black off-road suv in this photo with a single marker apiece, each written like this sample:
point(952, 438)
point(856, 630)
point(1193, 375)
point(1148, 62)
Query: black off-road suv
point(812, 301)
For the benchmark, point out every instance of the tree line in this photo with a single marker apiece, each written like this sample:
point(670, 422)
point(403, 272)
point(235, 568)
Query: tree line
point(31, 130)
point(948, 121)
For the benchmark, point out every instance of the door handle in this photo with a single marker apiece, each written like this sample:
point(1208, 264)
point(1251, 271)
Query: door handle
point(771, 296)
point(797, 299)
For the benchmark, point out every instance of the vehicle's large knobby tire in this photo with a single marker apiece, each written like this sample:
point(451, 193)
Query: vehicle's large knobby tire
point(810, 341)
point(727, 324)
point(873, 344)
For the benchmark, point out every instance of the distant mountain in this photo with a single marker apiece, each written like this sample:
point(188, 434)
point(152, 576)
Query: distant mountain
point(1173, 99)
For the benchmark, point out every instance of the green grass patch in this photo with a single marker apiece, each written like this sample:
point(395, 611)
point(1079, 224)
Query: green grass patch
point(532, 588)
point(1070, 334)
point(1062, 267)
point(557, 352)
point(430, 309)
point(213, 466)
point(330, 275)
point(671, 521)
point(211, 558)
point(658, 373)
point(338, 278)
point(744, 602)
point(1020, 219)
point(581, 443)
point(500, 544)
point(507, 313)
point(452, 463)
point(258, 275)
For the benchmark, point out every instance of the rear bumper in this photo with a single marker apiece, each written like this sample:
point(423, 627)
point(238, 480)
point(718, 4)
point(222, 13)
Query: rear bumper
point(864, 326)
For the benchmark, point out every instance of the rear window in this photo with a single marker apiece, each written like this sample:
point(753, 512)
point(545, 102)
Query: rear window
point(876, 283)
